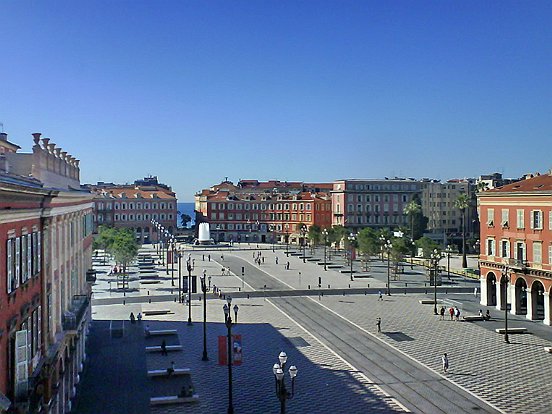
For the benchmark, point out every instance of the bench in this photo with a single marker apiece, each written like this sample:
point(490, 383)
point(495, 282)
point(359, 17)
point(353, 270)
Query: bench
point(511, 330)
point(173, 399)
point(334, 266)
point(161, 332)
point(149, 282)
point(169, 348)
point(470, 318)
point(157, 312)
point(165, 373)
point(428, 301)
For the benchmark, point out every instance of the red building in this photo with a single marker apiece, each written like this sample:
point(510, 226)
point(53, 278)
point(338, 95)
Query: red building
point(516, 247)
point(46, 249)
point(268, 211)
point(135, 206)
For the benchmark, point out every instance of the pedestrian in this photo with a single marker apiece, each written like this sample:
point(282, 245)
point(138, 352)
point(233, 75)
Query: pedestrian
point(276, 259)
point(457, 313)
point(451, 311)
point(147, 330)
point(263, 259)
point(380, 295)
point(378, 324)
point(445, 361)
point(487, 315)
point(132, 318)
point(203, 257)
point(139, 317)
point(442, 313)
point(209, 257)
point(287, 266)
point(480, 313)
point(170, 370)
point(164, 348)
point(221, 257)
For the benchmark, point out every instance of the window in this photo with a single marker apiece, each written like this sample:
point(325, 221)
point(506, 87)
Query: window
point(550, 254)
point(550, 220)
point(520, 250)
point(536, 219)
point(520, 219)
point(490, 247)
point(537, 252)
point(505, 217)
point(505, 248)
point(490, 217)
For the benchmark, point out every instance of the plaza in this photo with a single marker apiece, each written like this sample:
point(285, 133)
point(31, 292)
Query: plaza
point(328, 333)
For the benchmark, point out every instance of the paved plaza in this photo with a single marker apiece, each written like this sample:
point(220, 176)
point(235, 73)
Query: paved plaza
point(330, 334)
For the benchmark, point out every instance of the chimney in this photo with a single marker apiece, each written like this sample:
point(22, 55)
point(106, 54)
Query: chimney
point(36, 137)
point(45, 143)
point(3, 136)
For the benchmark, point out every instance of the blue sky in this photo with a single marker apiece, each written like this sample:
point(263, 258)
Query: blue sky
point(194, 91)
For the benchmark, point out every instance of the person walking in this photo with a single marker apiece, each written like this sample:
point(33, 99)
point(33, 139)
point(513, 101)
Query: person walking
point(457, 313)
point(451, 311)
point(378, 324)
point(276, 259)
point(164, 348)
point(445, 361)
point(380, 295)
point(442, 318)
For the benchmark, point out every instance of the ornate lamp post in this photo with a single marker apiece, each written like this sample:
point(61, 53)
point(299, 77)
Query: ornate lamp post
point(304, 238)
point(435, 258)
point(387, 247)
point(281, 392)
point(179, 276)
point(204, 290)
point(352, 239)
point(382, 240)
point(325, 234)
point(448, 252)
point(173, 249)
point(167, 242)
point(189, 266)
point(228, 323)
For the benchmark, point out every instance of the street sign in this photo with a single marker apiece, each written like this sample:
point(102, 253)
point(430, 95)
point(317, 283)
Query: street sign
point(236, 350)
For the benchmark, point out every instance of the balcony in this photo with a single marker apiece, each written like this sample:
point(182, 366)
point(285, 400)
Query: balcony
point(72, 318)
point(518, 264)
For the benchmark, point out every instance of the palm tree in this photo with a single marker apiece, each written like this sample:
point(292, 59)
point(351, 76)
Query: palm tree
point(482, 186)
point(412, 209)
point(462, 203)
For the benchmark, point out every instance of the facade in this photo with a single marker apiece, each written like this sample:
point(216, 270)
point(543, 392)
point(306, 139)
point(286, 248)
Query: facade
point(372, 203)
point(46, 244)
point(516, 247)
point(495, 180)
point(134, 206)
point(444, 219)
point(271, 211)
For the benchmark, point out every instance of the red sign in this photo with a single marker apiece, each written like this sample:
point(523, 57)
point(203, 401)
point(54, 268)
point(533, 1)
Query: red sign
point(236, 350)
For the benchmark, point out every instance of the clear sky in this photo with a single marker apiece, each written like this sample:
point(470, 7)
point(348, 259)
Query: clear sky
point(194, 91)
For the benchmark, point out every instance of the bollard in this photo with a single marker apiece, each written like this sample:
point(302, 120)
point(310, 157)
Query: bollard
point(174, 300)
point(322, 293)
point(309, 287)
point(349, 286)
point(328, 286)
point(248, 296)
point(406, 285)
point(405, 291)
point(364, 293)
point(343, 293)
point(149, 300)
point(124, 302)
point(148, 292)
point(239, 289)
point(426, 292)
point(171, 291)
point(368, 285)
point(446, 291)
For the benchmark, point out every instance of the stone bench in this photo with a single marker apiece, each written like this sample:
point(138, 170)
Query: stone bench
point(165, 372)
point(313, 259)
point(173, 399)
point(169, 348)
point(334, 266)
point(470, 318)
point(161, 332)
point(428, 301)
point(511, 330)
point(149, 282)
point(157, 312)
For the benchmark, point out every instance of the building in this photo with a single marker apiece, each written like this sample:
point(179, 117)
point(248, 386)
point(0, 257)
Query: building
point(516, 247)
point(46, 229)
point(495, 180)
point(444, 218)
point(376, 203)
point(134, 206)
point(270, 211)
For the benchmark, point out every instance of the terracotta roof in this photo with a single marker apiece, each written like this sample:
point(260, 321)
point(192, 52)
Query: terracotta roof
point(133, 193)
point(539, 183)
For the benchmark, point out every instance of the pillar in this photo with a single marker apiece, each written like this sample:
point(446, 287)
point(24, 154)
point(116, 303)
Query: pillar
point(530, 311)
point(483, 290)
point(546, 308)
point(499, 295)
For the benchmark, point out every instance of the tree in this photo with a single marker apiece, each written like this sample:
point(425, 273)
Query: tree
point(315, 234)
point(125, 247)
point(418, 222)
point(412, 209)
point(336, 234)
point(427, 245)
point(184, 219)
point(368, 243)
point(462, 203)
point(105, 239)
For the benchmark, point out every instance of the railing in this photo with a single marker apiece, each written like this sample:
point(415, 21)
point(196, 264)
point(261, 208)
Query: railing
point(72, 318)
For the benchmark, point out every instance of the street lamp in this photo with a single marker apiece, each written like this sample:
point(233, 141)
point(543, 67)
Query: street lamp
point(228, 323)
point(448, 252)
point(189, 266)
point(204, 290)
point(179, 276)
point(168, 241)
point(387, 247)
point(352, 239)
point(281, 392)
point(304, 237)
point(435, 257)
point(173, 245)
point(382, 240)
point(325, 234)
point(287, 239)
point(505, 281)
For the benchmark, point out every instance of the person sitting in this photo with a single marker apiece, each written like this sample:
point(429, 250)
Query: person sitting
point(147, 330)
point(170, 370)
point(488, 315)
point(480, 313)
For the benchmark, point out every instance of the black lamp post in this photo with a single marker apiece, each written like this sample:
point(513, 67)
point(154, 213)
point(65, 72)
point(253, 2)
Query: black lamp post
point(228, 323)
point(179, 276)
point(505, 281)
point(352, 239)
point(387, 247)
point(448, 252)
point(281, 392)
point(287, 240)
point(173, 245)
point(189, 266)
point(168, 241)
point(325, 234)
point(304, 238)
point(382, 240)
point(204, 290)
point(435, 258)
